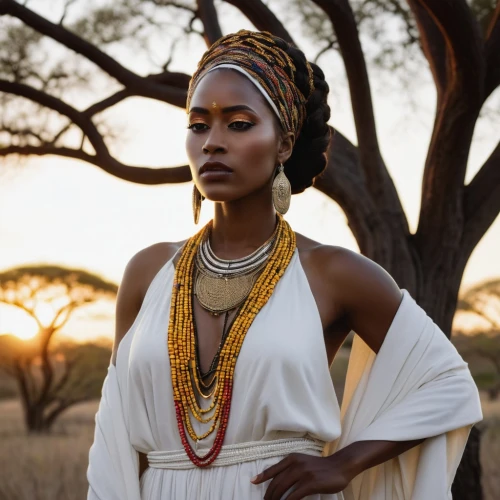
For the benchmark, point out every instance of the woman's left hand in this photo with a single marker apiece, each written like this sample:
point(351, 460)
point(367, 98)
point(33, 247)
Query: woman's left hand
point(307, 474)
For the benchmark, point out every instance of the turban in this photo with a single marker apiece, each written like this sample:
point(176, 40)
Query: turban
point(258, 56)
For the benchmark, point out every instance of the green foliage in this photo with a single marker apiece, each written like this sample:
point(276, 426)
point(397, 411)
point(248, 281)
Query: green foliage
point(91, 364)
point(485, 380)
point(88, 366)
point(482, 352)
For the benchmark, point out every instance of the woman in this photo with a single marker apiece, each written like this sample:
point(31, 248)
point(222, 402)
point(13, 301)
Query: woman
point(221, 387)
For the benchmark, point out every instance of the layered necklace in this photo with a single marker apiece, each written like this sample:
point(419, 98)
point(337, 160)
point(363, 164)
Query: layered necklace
point(220, 285)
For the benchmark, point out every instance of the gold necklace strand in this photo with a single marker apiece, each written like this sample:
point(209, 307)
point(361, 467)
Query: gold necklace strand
point(215, 360)
point(219, 295)
point(194, 411)
point(196, 380)
point(208, 256)
point(181, 342)
point(221, 292)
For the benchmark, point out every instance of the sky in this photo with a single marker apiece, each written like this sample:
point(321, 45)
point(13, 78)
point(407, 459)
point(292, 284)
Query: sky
point(69, 213)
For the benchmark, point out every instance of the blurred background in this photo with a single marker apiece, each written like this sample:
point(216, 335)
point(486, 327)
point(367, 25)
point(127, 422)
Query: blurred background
point(93, 169)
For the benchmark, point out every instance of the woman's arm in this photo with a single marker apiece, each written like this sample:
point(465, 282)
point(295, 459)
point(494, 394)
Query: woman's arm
point(363, 455)
point(369, 299)
point(312, 475)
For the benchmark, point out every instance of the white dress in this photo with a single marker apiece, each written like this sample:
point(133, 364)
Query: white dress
point(282, 388)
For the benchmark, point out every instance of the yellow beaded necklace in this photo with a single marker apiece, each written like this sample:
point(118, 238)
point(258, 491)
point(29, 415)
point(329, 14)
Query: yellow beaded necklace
point(182, 349)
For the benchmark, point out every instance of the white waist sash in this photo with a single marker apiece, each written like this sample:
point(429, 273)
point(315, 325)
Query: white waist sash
point(237, 453)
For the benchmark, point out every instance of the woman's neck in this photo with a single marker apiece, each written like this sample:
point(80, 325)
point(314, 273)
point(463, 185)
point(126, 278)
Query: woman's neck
point(239, 229)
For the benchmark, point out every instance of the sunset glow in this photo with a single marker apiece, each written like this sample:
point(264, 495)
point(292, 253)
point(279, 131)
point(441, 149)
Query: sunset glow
point(17, 323)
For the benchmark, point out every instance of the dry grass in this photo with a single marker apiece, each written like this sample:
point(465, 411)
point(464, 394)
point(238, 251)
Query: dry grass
point(54, 467)
point(490, 449)
point(45, 467)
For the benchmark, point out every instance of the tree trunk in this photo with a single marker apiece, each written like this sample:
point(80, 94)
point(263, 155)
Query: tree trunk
point(467, 483)
point(445, 286)
point(439, 283)
point(35, 421)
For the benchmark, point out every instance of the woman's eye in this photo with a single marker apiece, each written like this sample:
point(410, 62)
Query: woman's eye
point(196, 127)
point(240, 125)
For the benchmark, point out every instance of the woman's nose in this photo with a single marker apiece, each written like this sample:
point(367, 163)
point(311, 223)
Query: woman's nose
point(215, 142)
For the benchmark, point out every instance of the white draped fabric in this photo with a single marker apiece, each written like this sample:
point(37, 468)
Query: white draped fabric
point(417, 386)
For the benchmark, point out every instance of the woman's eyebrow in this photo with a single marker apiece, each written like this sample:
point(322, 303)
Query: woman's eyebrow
point(229, 109)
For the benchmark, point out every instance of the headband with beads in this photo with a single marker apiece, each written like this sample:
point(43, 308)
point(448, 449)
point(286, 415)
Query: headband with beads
point(270, 68)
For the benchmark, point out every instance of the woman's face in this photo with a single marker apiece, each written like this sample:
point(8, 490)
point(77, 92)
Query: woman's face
point(234, 141)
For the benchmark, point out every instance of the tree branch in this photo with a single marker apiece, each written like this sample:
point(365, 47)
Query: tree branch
point(60, 385)
point(65, 309)
point(25, 132)
point(23, 386)
point(492, 51)
point(139, 175)
point(141, 86)
point(379, 183)
point(482, 201)
point(106, 103)
point(48, 376)
point(343, 181)
point(464, 46)
point(433, 44)
point(208, 15)
point(173, 79)
point(262, 17)
point(102, 158)
point(18, 303)
point(51, 417)
point(441, 213)
point(79, 119)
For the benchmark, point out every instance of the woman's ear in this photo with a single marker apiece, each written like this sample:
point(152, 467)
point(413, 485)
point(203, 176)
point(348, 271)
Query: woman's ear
point(285, 147)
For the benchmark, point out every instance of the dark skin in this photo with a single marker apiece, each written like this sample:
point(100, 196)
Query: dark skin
point(231, 122)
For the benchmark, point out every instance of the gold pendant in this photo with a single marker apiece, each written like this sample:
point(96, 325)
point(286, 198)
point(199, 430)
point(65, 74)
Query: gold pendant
point(222, 294)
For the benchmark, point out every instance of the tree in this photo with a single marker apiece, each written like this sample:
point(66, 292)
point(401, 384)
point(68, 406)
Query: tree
point(52, 376)
point(483, 344)
point(460, 41)
point(482, 349)
point(483, 301)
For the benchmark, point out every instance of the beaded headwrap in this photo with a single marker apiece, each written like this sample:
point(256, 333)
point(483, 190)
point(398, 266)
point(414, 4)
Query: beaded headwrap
point(269, 67)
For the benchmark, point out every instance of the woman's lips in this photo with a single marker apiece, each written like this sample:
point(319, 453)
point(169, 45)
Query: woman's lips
point(215, 174)
point(215, 170)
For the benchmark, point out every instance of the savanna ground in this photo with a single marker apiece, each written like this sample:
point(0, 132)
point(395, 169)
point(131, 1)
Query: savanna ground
point(53, 467)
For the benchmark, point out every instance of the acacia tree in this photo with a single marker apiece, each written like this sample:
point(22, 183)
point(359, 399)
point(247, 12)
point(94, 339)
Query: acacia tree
point(52, 378)
point(460, 40)
point(483, 344)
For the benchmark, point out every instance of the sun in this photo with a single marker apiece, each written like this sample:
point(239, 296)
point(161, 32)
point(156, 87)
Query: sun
point(26, 333)
point(18, 323)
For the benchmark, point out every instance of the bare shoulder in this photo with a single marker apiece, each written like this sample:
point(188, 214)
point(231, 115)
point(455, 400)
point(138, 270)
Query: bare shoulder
point(363, 291)
point(137, 277)
point(146, 263)
point(350, 271)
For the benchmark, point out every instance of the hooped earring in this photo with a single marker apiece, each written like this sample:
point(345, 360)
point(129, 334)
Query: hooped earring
point(197, 199)
point(282, 191)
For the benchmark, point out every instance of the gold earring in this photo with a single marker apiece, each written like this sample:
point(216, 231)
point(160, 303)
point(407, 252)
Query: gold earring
point(282, 191)
point(197, 199)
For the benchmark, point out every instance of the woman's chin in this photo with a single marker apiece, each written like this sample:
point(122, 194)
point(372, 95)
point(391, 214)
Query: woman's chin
point(220, 195)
